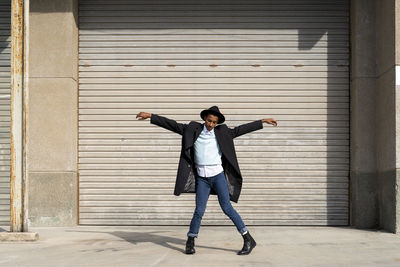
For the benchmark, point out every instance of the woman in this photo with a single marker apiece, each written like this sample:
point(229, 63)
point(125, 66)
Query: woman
point(208, 165)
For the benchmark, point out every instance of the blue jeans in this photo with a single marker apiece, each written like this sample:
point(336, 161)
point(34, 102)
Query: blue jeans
point(204, 185)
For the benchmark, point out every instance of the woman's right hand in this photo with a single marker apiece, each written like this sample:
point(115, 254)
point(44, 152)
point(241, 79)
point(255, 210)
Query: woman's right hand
point(143, 115)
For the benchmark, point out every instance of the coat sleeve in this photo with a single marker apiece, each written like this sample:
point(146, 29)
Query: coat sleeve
point(168, 124)
point(246, 128)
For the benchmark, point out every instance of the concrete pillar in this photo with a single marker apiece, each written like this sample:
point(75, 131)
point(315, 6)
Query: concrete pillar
point(375, 115)
point(387, 121)
point(396, 225)
point(52, 115)
point(363, 174)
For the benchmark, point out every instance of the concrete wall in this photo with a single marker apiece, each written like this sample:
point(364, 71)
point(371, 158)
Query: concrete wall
point(52, 114)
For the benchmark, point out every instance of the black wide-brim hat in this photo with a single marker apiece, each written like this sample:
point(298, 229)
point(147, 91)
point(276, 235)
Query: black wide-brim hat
point(214, 111)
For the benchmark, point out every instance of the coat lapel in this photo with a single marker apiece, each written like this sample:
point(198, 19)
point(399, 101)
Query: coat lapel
point(219, 139)
point(190, 141)
point(197, 132)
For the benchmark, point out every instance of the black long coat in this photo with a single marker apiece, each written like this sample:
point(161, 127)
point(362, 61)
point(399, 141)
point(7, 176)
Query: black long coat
point(185, 180)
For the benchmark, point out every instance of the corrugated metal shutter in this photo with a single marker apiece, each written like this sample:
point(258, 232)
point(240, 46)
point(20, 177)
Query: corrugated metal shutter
point(286, 59)
point(5, 80)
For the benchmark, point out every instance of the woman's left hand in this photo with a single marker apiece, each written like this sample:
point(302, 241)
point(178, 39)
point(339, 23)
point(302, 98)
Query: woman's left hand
point(270, 121)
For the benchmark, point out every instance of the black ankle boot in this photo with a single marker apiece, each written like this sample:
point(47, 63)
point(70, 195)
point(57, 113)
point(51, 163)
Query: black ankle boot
point(248, 245)
point(190, 245)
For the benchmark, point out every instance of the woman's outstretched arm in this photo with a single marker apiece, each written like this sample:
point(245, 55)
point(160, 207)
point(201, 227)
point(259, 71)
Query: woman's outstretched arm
point(163, 122)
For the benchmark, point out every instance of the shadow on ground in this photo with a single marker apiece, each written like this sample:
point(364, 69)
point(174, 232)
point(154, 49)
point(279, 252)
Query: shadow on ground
point(154, 237)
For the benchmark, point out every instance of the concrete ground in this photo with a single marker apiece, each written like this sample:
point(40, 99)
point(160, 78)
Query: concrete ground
point(216, 246)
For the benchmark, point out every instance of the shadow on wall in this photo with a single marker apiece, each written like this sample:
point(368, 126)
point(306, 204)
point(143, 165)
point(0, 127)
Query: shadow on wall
point(5, 96)
point(5, 34)
point(5, 46)
point(61, 6)
point(338, 118)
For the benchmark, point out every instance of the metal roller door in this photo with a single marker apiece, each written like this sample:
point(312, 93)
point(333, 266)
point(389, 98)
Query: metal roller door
point(286, 59)
point(5, 94)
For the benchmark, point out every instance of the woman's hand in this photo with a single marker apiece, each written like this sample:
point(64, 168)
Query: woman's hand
point(270, 121)
point(143, 115)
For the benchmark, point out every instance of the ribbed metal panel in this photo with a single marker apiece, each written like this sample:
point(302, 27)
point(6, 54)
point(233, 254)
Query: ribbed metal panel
point(5, 94)
point(286, 59)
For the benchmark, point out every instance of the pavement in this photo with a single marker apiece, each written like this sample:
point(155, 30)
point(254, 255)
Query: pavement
point(216, 246)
